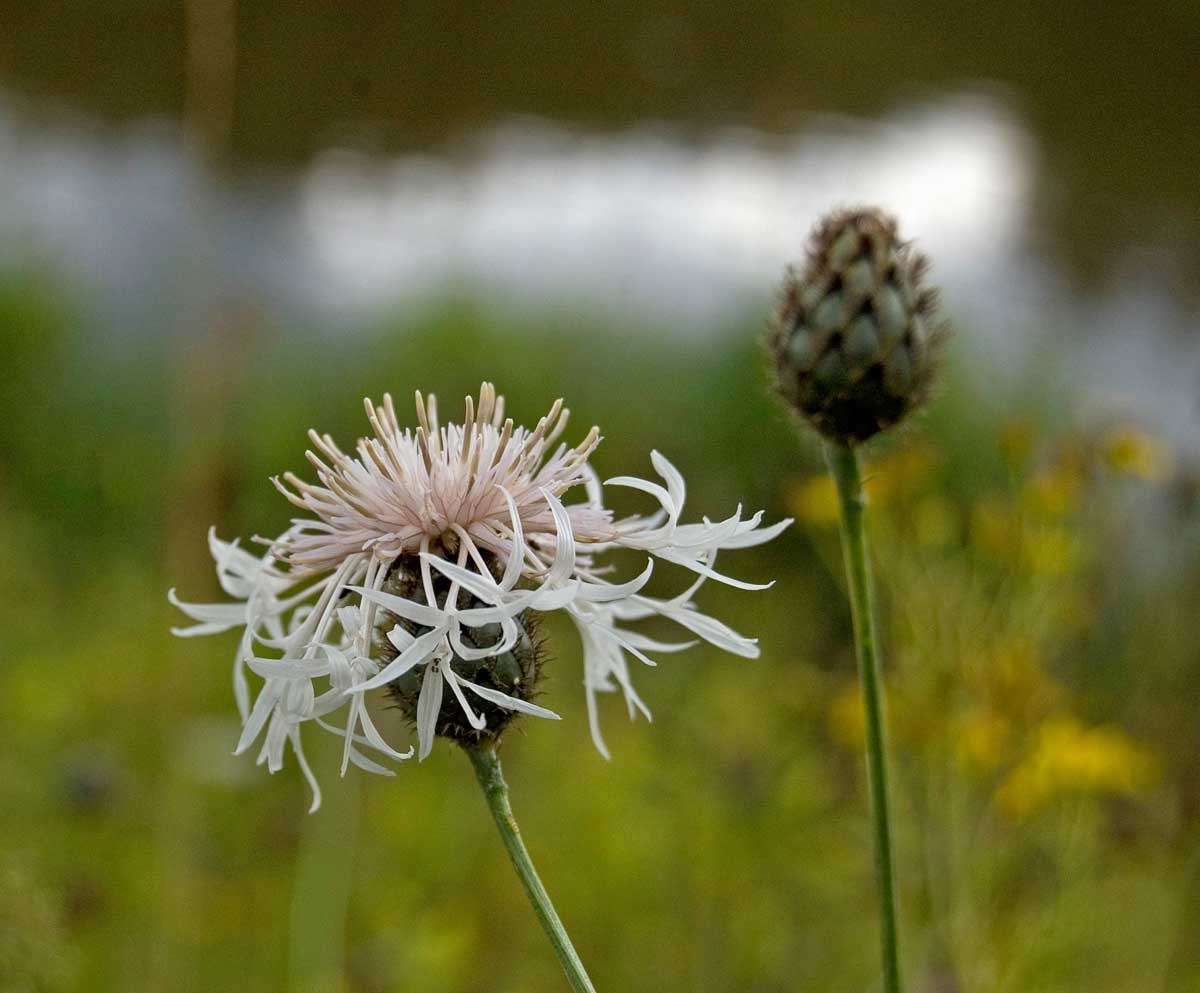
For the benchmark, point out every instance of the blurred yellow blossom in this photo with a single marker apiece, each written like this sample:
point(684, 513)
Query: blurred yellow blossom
point(901, 472)
point(935, 521)
point(1069, 758)
point(1055, 490)
point(1132, 450)
point(1012, 679)
point(983, 739)
point(1050, 551)
point(910, 723)
point(845, 718)
point(815, 500)
point(995, 528)
point(898, 473)
point(1016, 438)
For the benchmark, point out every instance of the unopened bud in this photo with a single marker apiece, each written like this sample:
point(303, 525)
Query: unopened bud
point(856, 336)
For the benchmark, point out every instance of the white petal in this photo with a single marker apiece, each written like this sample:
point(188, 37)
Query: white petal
point(564, 546)
point(263, 707)
point(476, 721)
point(400, 638)
point(418, 613)
point(617, 636)
point(294, 735)
point(509, 702)
point(429, 703)
point(241, 686)
point(214, 617)
point(603, 592)
point(715, 633)
point(675, 484)
point(509, 635)
point(367, 765)
point(689, 562)
point(758, 536)
point(650, 645)
point(415, 654)
point(483, 587)
point(289, 668)
point(514, 567)
point(656, 491)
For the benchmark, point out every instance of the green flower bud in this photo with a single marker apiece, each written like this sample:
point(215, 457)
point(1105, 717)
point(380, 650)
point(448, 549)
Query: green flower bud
point(856, 337)
point(515, 673)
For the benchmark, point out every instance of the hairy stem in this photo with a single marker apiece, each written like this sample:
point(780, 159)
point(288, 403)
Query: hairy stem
point(843, 464)
point(491, 779)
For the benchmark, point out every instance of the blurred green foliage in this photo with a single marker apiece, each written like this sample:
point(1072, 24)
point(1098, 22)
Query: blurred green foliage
point(1038, 580)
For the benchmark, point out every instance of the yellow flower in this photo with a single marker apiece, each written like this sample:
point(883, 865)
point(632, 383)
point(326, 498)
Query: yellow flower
point(898, 473)
point(845, 718)
point(1012, 679)
point(935, 521)
point(1055, 490)
point(1134, 451)
point(1016, 442)
point(901, 472)
point(995, 529)
point(1050, 551)
point(815, 500)
point(1069, 758)
point(982, 740)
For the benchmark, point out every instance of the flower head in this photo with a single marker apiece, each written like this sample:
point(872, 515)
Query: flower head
point(423, 565)
point(856, 338)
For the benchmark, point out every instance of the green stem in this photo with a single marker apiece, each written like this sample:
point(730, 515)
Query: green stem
point(491, 779)
point(843, 464)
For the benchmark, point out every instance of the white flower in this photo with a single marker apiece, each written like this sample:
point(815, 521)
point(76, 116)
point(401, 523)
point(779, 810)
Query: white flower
point(471, 512)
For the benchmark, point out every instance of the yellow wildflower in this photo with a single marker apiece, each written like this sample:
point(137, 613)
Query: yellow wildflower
point(900, 472)
point(983, 739)
point(1050, 551)
point(1055, 490)
point(815, 500)
point(995, 529)
point(935, 521)
point(1132, 450)
point(1016, 442)
point(845, 718)
point(1069, 758)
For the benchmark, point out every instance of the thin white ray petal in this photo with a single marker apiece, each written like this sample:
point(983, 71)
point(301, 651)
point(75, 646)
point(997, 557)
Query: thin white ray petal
point(294, 735)
point(658, 492)
point(699, 567)
point(429, 704)
point(408, 609)
point(516, 555)
point(263, 707)
point(759, 536)
point(483, 587)
point(476, 721)
point(509, 702)
point(602, 592)
point(564, 544)
point(675, 484)
point(414, 655)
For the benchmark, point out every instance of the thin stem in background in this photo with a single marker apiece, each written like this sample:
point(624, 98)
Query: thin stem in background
point(491, 779)
point(843, 464)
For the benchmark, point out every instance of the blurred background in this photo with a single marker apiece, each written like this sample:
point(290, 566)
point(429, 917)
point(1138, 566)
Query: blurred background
point(223, 222)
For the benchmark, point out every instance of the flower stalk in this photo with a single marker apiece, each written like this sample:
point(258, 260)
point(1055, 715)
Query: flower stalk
point(843, 464)
point(495, 790)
